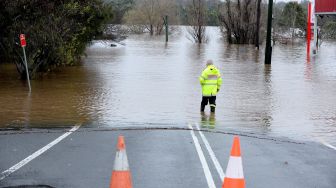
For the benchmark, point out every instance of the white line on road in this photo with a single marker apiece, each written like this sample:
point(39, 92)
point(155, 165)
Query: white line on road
point(212, 155)
point(328, 145)
point(207, 173)
point(16, 167)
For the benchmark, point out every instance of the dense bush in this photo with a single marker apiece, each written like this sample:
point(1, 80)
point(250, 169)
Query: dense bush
point(329, 30)
point(57, 31)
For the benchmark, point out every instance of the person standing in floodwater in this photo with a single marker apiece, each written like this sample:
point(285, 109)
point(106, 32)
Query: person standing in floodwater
point(210, 81)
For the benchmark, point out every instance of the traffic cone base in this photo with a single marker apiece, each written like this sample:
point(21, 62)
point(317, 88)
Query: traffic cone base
point(233, 183)
point(121, 179)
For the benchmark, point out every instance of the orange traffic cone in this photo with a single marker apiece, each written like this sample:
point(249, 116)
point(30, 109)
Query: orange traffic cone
point(234, 172)
point(121, 175)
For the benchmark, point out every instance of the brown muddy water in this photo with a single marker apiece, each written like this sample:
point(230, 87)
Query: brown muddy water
point(147, 83)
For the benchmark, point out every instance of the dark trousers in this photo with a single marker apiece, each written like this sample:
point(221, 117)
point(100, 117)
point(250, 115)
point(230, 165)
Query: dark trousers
point(206, 100)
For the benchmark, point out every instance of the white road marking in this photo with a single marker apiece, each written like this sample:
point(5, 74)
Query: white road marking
point(16, 167)
point(212, 155)
point(206, 170)
point(328, 145)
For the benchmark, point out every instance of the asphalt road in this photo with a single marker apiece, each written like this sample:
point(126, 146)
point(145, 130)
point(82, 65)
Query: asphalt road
point(161, 158)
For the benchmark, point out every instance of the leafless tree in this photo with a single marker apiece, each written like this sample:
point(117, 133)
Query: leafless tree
point(241, 20)
point(197, 15)
point(150, 13)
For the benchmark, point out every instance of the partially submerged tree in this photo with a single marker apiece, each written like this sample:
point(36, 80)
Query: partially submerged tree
point(197, 18)
point(150, 13)
point(239, 19)
point(293, 17)
point(257, 31)
point(211, 9)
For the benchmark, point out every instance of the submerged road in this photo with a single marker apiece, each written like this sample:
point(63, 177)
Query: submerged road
point(162, 158)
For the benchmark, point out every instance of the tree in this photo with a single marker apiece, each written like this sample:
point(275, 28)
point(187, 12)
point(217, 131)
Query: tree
point(197, 18)
point(212, 12)
point(239, 20)
point(120, 7)
point(150, 13)
point(258, 24)
point(57, 32)
point(293, 16)
point(329, 30)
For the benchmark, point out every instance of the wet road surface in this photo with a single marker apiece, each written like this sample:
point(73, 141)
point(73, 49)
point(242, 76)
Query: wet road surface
point(166, 157)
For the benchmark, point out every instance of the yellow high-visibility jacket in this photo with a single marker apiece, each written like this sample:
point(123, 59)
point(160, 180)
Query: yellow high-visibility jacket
point(211, 81)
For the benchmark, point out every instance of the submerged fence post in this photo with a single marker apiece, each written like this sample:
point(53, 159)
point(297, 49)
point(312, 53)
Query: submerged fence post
point(315, 34)
point(23, 45)
point(166, 24)
point(268, 50)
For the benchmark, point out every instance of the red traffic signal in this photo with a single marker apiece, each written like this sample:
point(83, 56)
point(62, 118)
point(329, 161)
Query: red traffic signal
point(23, 40)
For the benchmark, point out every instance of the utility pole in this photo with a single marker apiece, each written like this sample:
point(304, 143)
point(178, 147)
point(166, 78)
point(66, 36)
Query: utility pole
point(268, 50)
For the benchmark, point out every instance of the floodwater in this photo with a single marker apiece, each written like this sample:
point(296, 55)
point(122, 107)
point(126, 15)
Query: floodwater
point(148, 83)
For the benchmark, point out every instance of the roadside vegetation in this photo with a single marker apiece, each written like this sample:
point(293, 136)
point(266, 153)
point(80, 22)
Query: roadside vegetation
point(329, 29)
point(290, 23)
point(57, 32)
